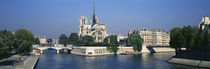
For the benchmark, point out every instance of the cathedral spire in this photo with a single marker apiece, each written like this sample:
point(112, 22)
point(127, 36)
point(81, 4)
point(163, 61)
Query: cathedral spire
point(94, 9)
point(94, 18)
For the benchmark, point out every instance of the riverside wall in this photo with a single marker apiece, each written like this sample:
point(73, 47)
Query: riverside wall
point(196, 63)
point(93, 50)
point(28, 62)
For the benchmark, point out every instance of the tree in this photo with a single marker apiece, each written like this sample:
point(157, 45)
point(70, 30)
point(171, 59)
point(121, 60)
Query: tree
point(25, 46)
point(4, 49)
point(136, 41)
point(187, 34)
point(73, 39)
point(36, 41)
point(113, 49)
point(23, 34)
point(112, 43)
point(24, 40)
point(111, 40)
point(63, 39)
point(6, 43)
point(87, 39)
point(175, 36)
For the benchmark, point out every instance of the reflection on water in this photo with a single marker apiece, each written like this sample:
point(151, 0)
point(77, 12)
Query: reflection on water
point(50, 60)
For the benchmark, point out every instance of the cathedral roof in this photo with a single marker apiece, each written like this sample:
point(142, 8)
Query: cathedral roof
point(98, 26)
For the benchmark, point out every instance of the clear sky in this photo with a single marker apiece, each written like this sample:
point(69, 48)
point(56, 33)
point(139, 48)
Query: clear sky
point(51, 18)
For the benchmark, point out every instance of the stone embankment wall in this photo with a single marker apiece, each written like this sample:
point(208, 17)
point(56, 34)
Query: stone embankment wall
point(82, 50)
point(91, 50)
point(190, 62)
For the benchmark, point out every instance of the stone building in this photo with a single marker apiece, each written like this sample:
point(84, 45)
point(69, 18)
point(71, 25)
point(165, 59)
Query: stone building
point(152, 37)
point(96, 30)
point(205, 21)
point(120, 37)
point(42, 39)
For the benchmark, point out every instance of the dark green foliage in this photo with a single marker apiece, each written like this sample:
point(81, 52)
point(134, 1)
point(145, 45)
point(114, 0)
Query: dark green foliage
point(25, 46)
point(22, 34)
point(176, 40)
point(112, 49)
point(112, 43)
point(24, 40)
point(112, 40)
point(73, 39)
point(6, 40)
point(87, 39)
point(36, 41)
point(136, 41)
point(19, 42)
point(196, 42)
point(63, 39)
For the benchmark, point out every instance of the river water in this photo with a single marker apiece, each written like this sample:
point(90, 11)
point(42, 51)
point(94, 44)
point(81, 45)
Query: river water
point(50, 60)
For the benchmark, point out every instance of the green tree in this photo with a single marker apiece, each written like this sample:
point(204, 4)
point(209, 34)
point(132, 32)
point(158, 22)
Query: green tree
point(187, 34)
point(4, 49)
point(63, 39)
point(22, 34)
point(113, 49)
point(175, 39)
point(6, 43)
point(36, 41)
point(24, 40)
point(25, 46)
point(87, 40)
point(73, 39)
point(112, 40)
point(112, 43)
point(136, 41)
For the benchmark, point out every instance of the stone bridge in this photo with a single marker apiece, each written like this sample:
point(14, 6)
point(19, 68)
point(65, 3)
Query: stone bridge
point(57, 48)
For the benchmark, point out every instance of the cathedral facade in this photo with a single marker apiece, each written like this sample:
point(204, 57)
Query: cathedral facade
point(96, 30)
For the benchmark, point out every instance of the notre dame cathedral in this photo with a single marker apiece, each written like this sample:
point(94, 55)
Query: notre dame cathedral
point(96, 30)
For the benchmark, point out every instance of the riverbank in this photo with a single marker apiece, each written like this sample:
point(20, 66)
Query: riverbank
point(96, 51)
point(20, 62)
point(190, 62)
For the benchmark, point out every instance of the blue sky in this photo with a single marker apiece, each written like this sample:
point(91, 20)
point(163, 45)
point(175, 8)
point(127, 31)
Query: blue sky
point(51, 18)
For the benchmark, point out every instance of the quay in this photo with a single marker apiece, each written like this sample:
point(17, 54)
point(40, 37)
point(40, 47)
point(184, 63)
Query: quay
point(28, 62)
point(190, 62)
point(94, 51)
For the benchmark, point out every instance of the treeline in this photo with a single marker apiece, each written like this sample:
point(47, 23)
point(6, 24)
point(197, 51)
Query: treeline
point(191, 42)
point(86, 40)
point(18, 42)
point(73, 39)
point(110, 41)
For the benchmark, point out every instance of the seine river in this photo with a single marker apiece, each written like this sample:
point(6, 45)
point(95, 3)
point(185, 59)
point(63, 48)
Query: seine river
point(50, 60)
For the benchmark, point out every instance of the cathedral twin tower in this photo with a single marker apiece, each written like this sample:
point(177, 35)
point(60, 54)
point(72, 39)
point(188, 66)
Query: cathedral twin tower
point(96, 30)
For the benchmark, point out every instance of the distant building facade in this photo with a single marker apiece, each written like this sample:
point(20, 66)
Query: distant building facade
point(205, 21)
point(96, 30)
point(120, 37)
point(42, 39)
point(152, 37)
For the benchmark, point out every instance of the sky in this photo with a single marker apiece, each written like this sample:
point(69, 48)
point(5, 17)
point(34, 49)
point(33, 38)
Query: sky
point(51, 18)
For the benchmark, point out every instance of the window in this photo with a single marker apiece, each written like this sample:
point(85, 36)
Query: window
point(89, 52)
